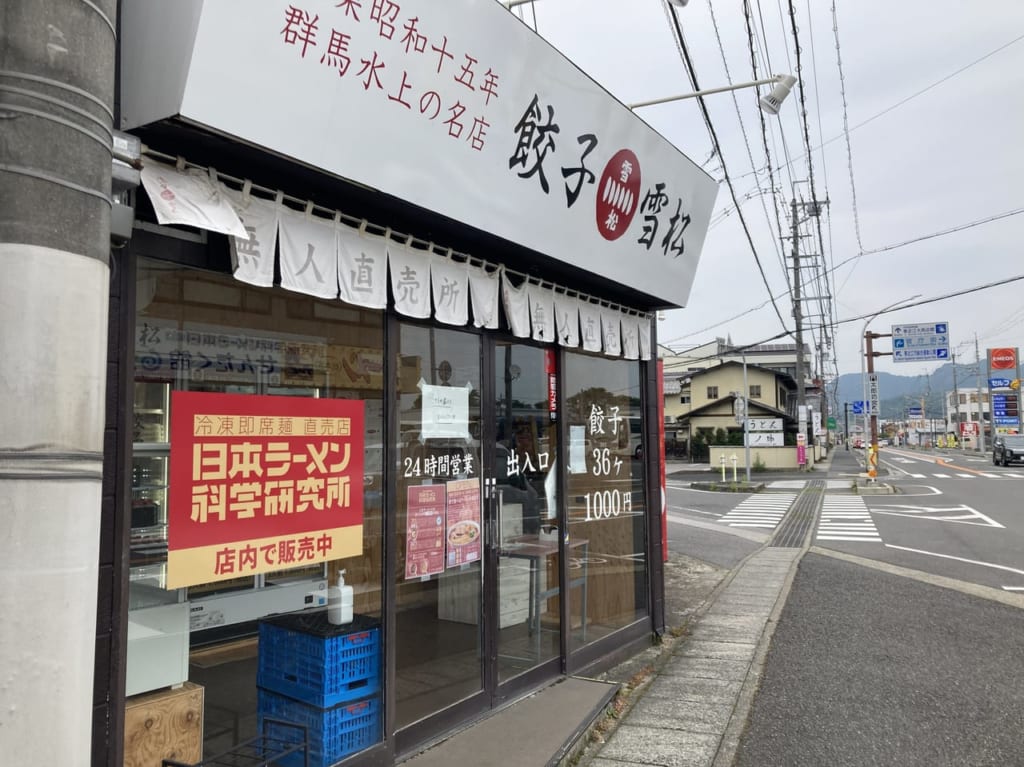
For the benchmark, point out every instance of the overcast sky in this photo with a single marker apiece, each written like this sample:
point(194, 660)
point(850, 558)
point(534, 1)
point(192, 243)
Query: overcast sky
point(945, 158)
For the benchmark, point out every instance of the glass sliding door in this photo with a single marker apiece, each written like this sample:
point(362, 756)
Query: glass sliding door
point(477, 527)
point(528, 524)
point(439, 525)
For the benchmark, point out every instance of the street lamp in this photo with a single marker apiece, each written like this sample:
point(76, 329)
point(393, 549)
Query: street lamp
point(871, 420)
point(769, 104)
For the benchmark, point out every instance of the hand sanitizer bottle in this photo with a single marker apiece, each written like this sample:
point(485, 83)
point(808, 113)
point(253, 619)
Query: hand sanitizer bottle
point(340, 599)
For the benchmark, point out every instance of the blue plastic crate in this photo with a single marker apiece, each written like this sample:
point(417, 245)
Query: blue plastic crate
point(333, 733)
point(309, 660)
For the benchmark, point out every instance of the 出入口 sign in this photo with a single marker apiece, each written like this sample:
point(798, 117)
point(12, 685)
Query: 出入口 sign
point(261, 483)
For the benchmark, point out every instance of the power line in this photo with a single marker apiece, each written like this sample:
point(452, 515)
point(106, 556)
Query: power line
point(838, 266)
point(935, 84)
point(909, 98)
point(688, 64)
point(933, 235)
point(764, 139)
point(743, 129)
point(870, 315)
point(846, 129)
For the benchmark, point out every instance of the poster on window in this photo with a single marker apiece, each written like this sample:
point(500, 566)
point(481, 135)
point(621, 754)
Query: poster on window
point(463, 534)
point(424, 531)
point(261, 483)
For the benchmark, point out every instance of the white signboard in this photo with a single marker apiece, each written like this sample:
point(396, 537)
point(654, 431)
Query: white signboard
point(456, 106)
point(765, 439)
point(873, 393)
point(764, 424)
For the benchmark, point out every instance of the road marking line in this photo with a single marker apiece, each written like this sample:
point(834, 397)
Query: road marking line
point(1013, 588)
point(694, 511)
point(942, 476)
point(953, 466)
point(937, 513)
point(958, 559)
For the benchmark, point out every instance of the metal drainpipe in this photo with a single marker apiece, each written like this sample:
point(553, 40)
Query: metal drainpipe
point(56, 116)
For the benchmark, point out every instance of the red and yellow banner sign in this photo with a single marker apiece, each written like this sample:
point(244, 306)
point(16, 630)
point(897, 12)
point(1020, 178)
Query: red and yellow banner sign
point(261, 483)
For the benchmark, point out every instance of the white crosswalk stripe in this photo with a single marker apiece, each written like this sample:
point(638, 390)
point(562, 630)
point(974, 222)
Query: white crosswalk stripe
point(763, 511)
point(964, 475)
point(846, 518)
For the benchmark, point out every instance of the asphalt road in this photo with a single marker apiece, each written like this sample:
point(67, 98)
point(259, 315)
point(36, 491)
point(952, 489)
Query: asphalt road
point(870, 668)
point(955, 515)
point(693, 528)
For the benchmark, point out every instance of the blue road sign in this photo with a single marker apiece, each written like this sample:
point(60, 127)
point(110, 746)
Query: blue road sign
point(857, 407)
point(920, 342)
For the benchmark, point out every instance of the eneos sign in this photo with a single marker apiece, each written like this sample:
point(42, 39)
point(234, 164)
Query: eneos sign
point(1002, 359)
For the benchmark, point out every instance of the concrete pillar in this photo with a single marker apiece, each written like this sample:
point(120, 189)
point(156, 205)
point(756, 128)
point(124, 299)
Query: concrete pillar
point(56, 112)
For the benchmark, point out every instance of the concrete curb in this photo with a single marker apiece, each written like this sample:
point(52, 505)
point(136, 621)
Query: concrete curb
point(730, 742)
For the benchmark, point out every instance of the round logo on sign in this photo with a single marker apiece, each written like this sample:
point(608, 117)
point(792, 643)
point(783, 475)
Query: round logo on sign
point(1004, 359)
point(618, 194)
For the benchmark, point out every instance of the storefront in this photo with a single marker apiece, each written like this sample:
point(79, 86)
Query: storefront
point(386, 313)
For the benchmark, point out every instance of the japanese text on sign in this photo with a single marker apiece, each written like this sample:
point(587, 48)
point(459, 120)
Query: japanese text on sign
point(258, 483)
point(371, 44)
point(606, 421)
point(618, 197)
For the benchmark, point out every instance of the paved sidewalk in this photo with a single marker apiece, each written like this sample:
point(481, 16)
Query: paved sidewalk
point(693, 712)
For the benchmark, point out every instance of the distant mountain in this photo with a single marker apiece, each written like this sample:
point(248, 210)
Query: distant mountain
point(898, 392)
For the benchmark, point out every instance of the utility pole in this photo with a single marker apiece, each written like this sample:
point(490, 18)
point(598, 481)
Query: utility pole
point(813, 210)
point(981, 408)
point(956, 404)
point(869, 337)
point(57, 112)
point(801, 394)
point(746, 420)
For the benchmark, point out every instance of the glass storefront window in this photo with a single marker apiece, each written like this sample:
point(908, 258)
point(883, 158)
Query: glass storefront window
point(203, 331)
point(606, 503)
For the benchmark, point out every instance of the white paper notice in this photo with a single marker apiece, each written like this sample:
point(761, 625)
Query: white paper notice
point(445, 411)
point(577, 449)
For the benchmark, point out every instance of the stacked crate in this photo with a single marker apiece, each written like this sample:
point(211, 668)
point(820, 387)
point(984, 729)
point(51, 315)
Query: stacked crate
point(324, 677)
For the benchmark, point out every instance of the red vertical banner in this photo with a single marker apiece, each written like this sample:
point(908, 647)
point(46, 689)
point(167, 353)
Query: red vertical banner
point(661, 460)
point(261, 483)
point(549, 367)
